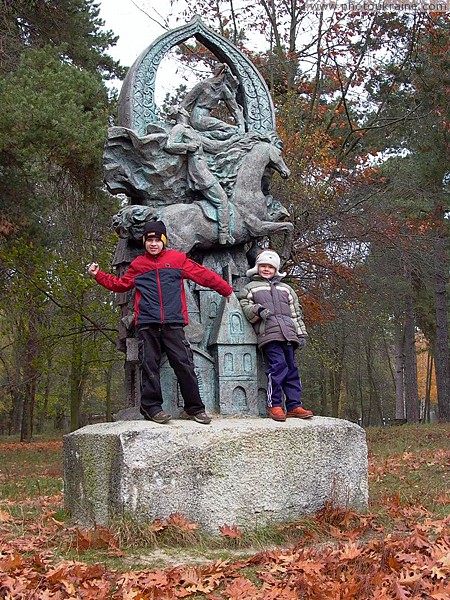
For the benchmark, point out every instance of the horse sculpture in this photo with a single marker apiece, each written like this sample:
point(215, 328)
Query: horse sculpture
point(195, 224)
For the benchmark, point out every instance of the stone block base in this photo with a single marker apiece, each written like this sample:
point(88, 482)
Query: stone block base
point(245, 471)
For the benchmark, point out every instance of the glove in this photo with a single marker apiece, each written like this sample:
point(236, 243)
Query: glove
point(302, 341)
point(264, 313)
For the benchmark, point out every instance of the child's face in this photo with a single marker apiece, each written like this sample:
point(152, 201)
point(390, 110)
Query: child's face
point(154, 246)
point(266, 271)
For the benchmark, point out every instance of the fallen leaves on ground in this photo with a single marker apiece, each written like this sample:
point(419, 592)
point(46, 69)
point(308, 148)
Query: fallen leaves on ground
point(37, 446)
point(417, 565)
point(342, 555)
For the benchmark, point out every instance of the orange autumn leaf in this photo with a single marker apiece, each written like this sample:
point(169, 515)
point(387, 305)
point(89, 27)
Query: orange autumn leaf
point(400, 593)
point(98, 537)
point(350, 552)
point(240, 589)
point(231, 532)
point(179, 521)
point(5, 516)
point(419, 539)
point(156, 525)
point(408, 578)
point(11, 562)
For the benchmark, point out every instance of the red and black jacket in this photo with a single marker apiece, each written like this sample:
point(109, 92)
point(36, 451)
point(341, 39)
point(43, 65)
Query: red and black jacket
point(158, 280)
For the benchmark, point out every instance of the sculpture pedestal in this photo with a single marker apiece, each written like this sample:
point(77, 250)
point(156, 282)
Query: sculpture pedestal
point(248, 471)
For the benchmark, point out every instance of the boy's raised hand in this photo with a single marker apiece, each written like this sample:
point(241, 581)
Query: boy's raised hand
point(93, 269)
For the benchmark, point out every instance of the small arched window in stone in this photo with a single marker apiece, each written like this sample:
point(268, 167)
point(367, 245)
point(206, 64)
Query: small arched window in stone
point(236, 324)
point(239, 400)
point(228, 363)
point(213, 310)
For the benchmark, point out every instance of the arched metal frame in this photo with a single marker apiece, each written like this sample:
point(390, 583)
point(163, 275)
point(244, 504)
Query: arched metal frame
point(137, 106)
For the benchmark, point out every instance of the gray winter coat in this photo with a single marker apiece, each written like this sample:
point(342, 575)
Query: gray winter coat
point(285, 320)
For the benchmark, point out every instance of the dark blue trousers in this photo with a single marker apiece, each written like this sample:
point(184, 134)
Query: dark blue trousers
point(282, 375)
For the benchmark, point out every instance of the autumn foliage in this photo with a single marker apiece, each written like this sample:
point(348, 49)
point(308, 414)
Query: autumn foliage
point(413, 563)
point(399, 550)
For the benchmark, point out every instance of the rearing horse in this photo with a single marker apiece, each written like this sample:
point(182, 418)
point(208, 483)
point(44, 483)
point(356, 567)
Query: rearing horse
point(195, 225)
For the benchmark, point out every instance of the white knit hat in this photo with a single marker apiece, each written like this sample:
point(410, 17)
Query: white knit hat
point(267, 257)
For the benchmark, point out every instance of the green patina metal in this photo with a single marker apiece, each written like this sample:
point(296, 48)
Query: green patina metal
point(137, 106)
point(209, 180)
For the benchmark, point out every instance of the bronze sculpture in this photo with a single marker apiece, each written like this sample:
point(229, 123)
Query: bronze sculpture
point(209, 180)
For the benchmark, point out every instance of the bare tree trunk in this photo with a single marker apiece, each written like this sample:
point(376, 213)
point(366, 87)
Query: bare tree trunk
point(15, 415)
point(31, 376)
point(46, 394)
point(336, 373)
point(76, 381)
point(399, 342)
point(323, 391)
point(373, 390)
point(334, 394)
point(16, 378)
point(426, 411)
point(26, 430)
point(335, 381)
point(411, 384)
point(12, 385)
point(441, 350)
point(361, 393)
point(108, 393)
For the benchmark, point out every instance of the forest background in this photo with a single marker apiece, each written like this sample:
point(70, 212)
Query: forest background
point(363, 110)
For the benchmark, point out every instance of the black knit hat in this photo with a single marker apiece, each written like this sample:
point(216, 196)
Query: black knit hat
point(155, 229)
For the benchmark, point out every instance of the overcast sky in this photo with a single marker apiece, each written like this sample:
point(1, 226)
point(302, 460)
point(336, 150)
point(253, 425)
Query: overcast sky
point(137, 25)
point(135, 29)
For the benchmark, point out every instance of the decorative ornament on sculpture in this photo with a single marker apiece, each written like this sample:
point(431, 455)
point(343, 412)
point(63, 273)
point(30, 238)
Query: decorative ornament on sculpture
point(199, 174)
point(209, 181)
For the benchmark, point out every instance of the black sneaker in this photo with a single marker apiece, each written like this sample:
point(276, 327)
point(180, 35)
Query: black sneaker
point(200, 417)
point(161, 417)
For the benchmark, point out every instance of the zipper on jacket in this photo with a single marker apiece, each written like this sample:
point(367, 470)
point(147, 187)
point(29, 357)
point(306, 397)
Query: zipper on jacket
point(158, 282)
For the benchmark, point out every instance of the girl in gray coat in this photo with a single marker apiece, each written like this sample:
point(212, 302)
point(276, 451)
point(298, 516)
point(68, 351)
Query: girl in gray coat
point(272, 307)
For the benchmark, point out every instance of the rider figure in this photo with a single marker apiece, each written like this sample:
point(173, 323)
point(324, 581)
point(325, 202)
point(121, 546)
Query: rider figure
point(206, 95)
point(183, 139)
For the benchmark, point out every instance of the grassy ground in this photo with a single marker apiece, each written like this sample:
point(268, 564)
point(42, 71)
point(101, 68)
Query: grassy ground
point(409, 483)
point(30, 470)
point(409, 466)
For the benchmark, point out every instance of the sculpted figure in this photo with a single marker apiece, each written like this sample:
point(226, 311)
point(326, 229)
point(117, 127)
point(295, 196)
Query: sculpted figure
point(191, 225)
point(206, 174)
point(183, 139)
point(206, 95)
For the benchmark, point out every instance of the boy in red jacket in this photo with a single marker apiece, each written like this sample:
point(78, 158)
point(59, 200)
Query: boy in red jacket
point(160, 315)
